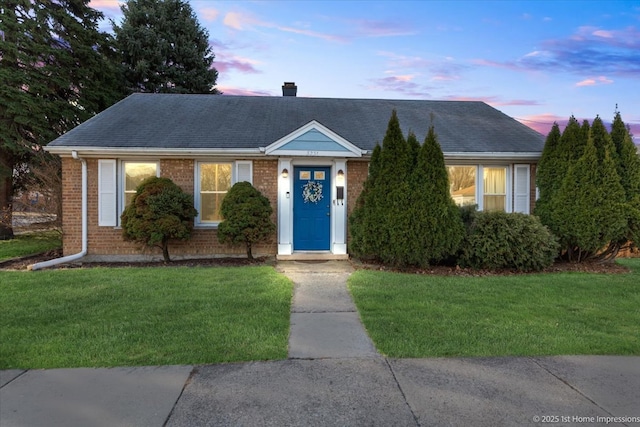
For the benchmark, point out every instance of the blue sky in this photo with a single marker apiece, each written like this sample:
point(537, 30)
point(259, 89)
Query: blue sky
point(537, 61)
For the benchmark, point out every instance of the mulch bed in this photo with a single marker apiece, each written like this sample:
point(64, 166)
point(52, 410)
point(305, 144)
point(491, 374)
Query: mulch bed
point(588, 267)
point(558, 267)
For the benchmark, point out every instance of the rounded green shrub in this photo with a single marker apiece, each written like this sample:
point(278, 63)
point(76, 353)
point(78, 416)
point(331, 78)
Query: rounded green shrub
point(509, 240)
point(247, 217)
point(159, 212)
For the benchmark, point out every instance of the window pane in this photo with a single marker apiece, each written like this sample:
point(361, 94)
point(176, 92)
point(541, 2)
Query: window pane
point(462, 184)
point(495, 189)
point(215, 181)
point(215, 177)
point(134, 174)
point(210, 206)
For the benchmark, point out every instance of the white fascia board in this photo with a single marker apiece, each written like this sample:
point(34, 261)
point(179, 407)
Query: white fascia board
point(272, 149)
point(524, 156)
point(155, 152)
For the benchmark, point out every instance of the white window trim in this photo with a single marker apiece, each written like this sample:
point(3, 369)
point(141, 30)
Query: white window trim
point(508, 186)
point(235, 174)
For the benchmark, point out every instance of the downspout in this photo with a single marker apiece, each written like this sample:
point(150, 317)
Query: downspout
point(83, 252)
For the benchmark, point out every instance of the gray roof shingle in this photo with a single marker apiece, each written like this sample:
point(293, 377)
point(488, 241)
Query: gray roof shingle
point(173, 121)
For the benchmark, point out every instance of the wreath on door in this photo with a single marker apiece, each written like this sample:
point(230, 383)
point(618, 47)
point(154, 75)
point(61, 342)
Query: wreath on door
point(312, 192)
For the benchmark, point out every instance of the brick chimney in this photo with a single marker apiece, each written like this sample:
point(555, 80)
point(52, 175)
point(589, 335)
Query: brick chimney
point(289, 89)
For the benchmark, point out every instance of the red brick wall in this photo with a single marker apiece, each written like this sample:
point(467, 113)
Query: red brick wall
point(109, 241)
point(357, 172)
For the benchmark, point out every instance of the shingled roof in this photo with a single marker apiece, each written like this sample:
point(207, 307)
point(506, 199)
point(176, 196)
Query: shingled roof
point(178, 121)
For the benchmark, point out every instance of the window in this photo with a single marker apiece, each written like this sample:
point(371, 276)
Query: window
point(215, 181)
point(134, 174)
point(113, 193)
point(462, 184)
point(495, 189)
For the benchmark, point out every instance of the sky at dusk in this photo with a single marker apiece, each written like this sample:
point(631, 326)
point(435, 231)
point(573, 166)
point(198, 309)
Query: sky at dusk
point(537, 61)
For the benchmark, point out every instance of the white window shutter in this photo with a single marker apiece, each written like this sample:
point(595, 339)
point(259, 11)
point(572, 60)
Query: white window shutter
point(244, 171)
point(522, 179)
point(107, 207)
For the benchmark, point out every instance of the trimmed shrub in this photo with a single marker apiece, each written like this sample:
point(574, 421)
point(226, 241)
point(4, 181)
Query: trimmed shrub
point(509, 240)
point(159, 212)
point(247, 217)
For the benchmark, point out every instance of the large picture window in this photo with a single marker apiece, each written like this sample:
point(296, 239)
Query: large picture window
point(495, 189)
point(214, 183)
point(462, 184)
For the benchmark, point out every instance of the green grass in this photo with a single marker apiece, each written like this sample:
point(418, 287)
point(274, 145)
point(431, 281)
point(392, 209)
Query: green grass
point(538, 314)
point(142, 316)
point(29, 244)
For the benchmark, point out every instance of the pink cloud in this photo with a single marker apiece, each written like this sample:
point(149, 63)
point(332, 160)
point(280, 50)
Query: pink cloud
point(209, 14)
point(369, 28)
point(227, 90)
point(113, 5)
point(595, 81)
point(241, 22)
point(543, 123)
point(224, 63)
point(399, 84)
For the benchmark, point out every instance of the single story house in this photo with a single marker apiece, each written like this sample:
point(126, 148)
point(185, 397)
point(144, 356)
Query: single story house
point(206, 143)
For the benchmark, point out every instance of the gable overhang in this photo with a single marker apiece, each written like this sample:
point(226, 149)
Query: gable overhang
point(313, 140)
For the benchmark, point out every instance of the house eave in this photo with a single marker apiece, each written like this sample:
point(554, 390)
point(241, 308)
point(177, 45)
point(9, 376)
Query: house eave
point(500, 156)
point(112, 152)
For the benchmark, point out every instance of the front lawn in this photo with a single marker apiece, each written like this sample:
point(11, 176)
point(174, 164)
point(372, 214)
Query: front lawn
point(142, 316)
point(29, 244)
point(538, 314)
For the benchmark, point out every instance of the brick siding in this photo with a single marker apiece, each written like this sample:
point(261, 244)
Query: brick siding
point(104, 241)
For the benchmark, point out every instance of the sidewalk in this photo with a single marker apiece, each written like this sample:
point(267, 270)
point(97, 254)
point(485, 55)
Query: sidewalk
point(333, 377)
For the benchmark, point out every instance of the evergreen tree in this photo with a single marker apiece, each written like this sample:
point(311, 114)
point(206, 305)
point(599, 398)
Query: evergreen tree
point(588, 212)
point(164, 49)
point(55, 72)
point(362, 242)
point(405, 214)
point(574, 139)
point(628, 168)
point(437, 229)
point(549, 169)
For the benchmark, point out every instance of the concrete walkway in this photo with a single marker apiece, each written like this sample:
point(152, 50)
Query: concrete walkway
point(334, 377)
point(324, 320)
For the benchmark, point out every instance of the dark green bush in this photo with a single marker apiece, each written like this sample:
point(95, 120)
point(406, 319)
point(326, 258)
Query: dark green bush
point(509, 240)
point(247, 217)
point(159, 211)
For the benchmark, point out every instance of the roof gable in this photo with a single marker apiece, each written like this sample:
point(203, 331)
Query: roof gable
point(313, 139)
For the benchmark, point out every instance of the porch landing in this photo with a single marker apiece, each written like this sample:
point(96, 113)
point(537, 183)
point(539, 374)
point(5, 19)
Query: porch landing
point(312, 256)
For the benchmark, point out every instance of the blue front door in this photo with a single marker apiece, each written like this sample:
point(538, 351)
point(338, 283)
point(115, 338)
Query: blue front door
point(311, 208)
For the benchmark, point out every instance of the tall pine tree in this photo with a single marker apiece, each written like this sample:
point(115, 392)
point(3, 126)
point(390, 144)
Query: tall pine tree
point(405, 214)
point(628, 167)
point(550, 168)
point(437, 228)
point(164, 49)
point(55, 72)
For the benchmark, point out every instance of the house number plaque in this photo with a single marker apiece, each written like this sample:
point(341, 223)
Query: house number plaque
point(313, 153)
